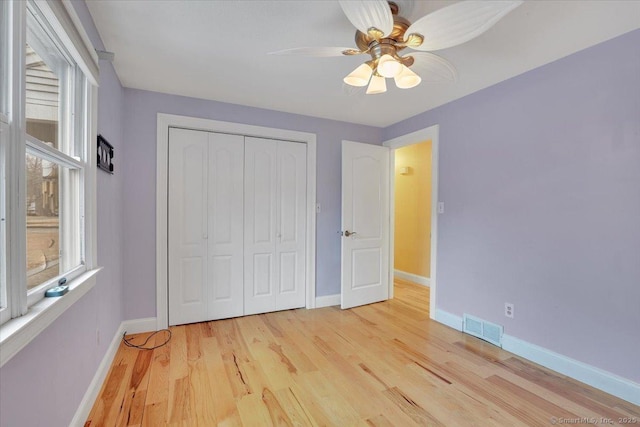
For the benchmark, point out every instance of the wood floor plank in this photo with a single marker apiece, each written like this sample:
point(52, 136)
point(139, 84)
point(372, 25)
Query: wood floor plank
point(221, 391)
point(383, 364)
point(157, 396)
point(411, 408)
point(253, 411)
point(295, 409)
point(200, 393)
point(277, 414)
point(155, 414)
point(324, 401)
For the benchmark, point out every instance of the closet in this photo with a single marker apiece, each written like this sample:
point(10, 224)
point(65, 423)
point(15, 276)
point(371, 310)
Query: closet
point(236, 225)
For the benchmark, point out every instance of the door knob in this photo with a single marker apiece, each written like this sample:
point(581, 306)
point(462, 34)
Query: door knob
point(349, 233)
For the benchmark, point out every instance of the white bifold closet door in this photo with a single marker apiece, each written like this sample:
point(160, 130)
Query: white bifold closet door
point(275, 225)
point(237, 225)
point(205, 226)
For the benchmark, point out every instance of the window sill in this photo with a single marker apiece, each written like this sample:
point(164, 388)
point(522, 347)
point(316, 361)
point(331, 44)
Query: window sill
point(18, 332)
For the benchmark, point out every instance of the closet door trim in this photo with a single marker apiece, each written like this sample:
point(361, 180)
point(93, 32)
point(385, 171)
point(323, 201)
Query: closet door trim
point(167, 121)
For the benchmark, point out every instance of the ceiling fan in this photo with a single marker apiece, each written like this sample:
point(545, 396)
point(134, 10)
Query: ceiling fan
point(383, 34)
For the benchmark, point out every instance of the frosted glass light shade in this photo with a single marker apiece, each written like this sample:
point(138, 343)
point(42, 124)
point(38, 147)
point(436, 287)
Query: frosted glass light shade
point(377, 85)
point(388, 66)
point(360, 76)
point(407, 79)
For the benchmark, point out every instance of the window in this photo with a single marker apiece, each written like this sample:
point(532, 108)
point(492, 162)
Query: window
point(47, 184)
point(5, 312)
point(4, 61)
point(53, 161)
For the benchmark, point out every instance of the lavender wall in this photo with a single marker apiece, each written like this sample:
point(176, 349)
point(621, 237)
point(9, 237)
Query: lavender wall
point(540, 176)
point(139, 165)
point(44, 383)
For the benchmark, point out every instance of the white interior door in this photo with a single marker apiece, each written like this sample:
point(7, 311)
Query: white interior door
point(291, 228)
point(275, 225)
point(206, 174)
point(187, 251)
point(260, 222)
point(226, 226)
point(365, 224)
point(237, 225)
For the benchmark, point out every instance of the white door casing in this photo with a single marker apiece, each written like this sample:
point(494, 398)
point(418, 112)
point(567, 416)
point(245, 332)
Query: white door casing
point(365, 216)
point(429, 133)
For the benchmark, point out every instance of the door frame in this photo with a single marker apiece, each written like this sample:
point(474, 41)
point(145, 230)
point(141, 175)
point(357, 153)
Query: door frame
point(428, 133)
point(166, 121)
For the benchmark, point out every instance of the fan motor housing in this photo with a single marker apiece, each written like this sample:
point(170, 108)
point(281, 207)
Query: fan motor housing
point(400, 26)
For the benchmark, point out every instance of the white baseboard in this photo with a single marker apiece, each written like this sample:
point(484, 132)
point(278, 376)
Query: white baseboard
point(420, 280)
point(137, 326)
point(451, 320)
point(327, 300)
point(595, 377)
point(131, 327)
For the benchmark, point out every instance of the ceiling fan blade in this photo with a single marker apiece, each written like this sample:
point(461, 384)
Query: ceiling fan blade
point(433, 68)
point(459, 23)
point(366, 14)
point(320, 52)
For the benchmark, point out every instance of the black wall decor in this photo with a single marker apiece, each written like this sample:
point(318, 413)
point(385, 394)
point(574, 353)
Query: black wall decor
point(105, 155)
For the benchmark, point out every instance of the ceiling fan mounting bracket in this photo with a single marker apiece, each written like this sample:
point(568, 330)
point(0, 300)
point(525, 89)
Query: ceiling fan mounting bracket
point(400, 25)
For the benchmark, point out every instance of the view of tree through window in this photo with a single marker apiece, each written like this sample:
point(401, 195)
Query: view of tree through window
point(43, 223)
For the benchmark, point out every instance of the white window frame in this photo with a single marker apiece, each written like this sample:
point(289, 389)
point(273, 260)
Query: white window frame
point(30, 316)
point(5, 52)
point(5, 310)
point(43, 151)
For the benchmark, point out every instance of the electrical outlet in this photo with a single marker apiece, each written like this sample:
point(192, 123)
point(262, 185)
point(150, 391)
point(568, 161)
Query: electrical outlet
point(508, 309)
point(440, 207)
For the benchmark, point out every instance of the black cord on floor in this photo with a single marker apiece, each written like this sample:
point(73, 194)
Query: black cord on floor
point(142, 346)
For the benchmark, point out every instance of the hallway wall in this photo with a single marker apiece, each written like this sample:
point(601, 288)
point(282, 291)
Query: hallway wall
point(412, 246)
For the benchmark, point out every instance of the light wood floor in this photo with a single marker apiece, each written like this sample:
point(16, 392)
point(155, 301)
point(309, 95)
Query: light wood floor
point(384, 364)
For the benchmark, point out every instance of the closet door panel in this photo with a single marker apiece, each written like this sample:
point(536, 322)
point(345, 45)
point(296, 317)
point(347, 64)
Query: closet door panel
point(260, 208)
point(225, 224)
point(187, 251)
point(291, 228)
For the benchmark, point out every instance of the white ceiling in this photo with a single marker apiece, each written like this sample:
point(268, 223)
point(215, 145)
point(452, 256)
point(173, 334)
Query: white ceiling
point(218, 50)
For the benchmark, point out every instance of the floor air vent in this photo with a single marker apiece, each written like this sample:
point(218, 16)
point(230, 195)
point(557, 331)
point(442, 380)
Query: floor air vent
point(482, 329)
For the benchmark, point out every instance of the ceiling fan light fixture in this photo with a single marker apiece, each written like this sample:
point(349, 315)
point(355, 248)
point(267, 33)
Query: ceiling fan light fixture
point(377, 85)
point(407, 78)
point(388, 66)
point(360, 76)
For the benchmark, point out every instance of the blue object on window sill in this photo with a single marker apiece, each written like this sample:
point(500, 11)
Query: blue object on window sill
point(59, 290)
